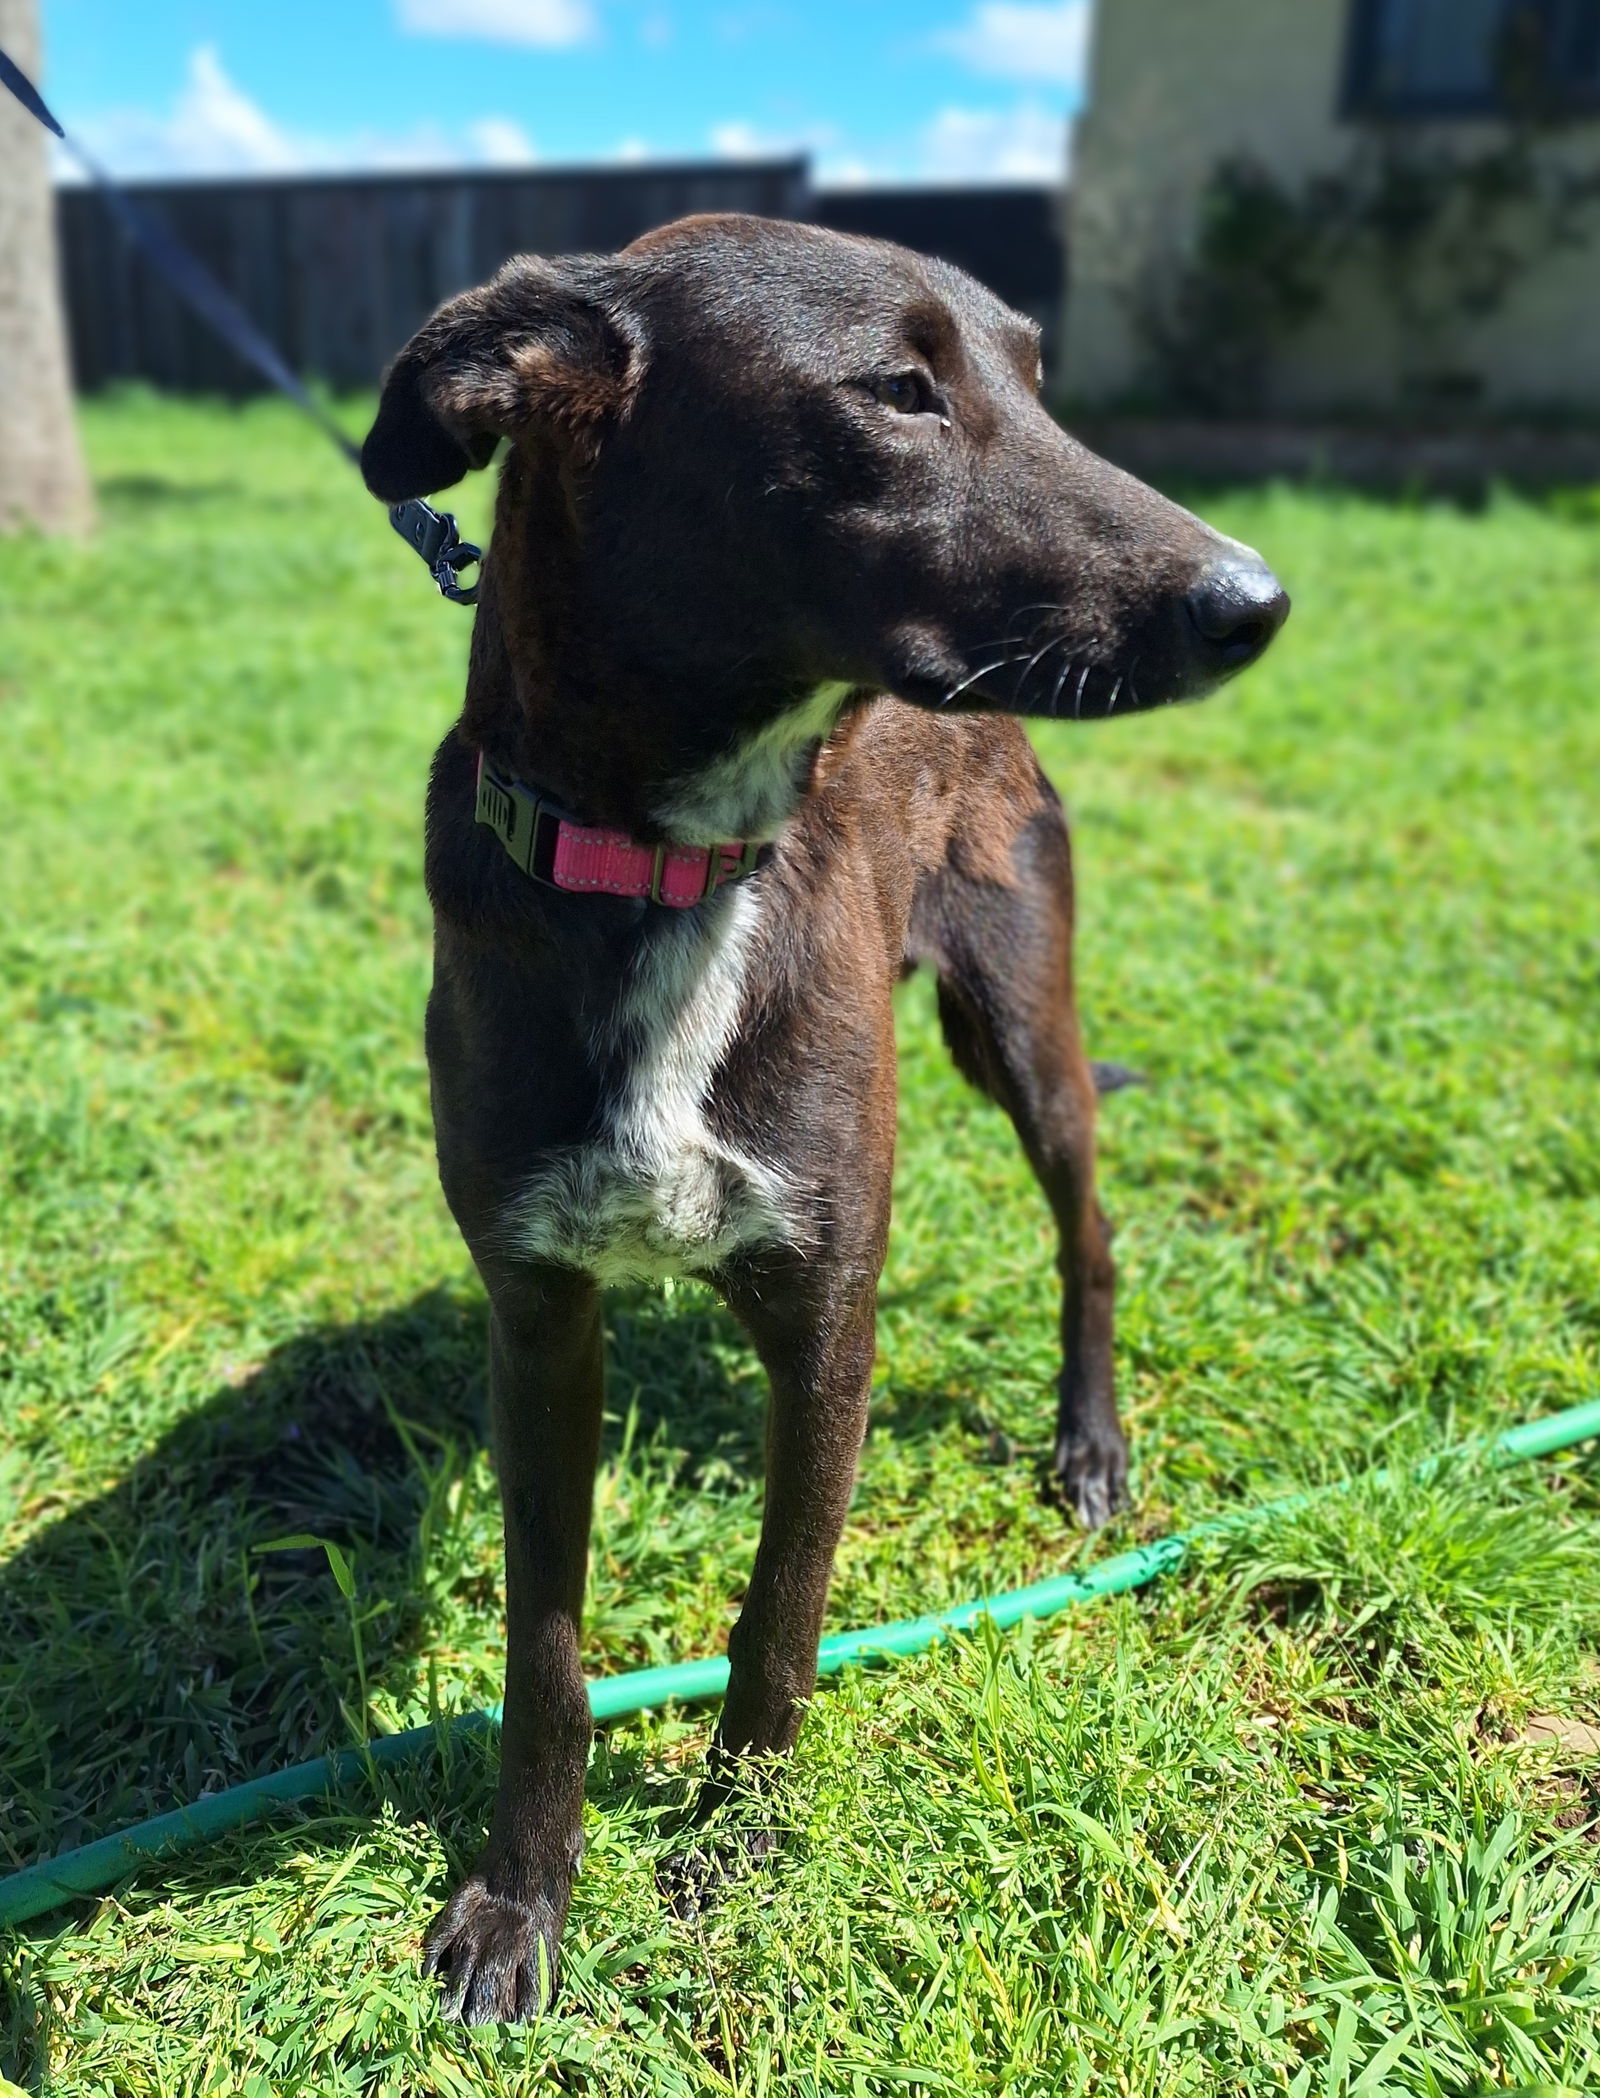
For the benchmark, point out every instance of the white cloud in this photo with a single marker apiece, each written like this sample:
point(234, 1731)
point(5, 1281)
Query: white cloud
point(548, 25)
point(739, 140)
point(1027, 143)
point(849, 171)
point(214, 128)
point(1012, 40)
point(501, 142)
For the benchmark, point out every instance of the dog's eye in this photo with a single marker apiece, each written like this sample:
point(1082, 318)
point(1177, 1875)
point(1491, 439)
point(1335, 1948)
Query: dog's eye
point(908, 393)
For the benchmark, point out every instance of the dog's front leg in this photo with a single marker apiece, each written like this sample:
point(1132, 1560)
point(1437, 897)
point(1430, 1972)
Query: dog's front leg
point(494, 1946)
point(817, 1348)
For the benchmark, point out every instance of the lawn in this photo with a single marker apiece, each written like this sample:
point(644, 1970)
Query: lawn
point(1278, 1826)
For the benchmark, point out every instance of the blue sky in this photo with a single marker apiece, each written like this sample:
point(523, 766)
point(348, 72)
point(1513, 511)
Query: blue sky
point(952, 89)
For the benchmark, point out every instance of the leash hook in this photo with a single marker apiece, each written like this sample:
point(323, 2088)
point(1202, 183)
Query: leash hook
point(433, 534)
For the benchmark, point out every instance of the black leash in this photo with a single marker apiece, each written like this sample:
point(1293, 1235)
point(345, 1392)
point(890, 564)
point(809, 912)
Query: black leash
point(431, 532)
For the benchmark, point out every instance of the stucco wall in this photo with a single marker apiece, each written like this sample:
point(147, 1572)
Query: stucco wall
point(1176, 86)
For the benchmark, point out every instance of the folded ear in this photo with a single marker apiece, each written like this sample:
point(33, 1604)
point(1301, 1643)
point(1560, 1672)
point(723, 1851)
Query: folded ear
point(543, 343)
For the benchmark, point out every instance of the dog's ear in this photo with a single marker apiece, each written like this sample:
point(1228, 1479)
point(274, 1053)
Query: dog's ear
point(542, 344)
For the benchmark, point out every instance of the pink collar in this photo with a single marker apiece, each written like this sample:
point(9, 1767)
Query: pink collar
point(577, 856)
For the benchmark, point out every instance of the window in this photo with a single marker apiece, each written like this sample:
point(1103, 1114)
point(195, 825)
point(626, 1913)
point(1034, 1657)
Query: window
point(1472, 58)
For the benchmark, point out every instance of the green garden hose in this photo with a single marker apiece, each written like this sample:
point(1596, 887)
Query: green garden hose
point(96, 1866)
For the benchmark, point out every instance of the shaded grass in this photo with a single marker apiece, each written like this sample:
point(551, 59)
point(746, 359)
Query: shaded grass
point(1269, 1832)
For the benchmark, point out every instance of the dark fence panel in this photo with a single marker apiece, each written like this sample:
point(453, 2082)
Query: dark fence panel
point(1009, 238)
point(338, 270)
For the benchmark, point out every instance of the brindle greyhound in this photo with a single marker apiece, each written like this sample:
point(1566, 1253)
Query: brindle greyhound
point(784, 544)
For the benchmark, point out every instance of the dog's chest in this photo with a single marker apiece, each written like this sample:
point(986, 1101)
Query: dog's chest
point(657, 1192)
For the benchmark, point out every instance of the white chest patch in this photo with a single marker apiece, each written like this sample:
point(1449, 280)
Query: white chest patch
point(658, 1193)
point(749, 790)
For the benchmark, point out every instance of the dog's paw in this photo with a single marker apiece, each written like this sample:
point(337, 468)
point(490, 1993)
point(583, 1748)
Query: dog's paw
point(1091, 1475)
point(693, 1880)
point(1115, 1078)
point(494, 1958)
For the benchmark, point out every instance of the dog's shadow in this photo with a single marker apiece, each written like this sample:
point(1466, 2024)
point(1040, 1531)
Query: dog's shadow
point(150, 1653)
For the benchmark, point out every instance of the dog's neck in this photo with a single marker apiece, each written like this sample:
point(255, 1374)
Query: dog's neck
point(690, 756)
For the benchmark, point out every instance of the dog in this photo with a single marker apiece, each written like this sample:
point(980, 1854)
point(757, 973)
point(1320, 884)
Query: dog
point(785, 544)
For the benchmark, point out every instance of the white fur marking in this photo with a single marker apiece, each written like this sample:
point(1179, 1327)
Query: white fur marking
point(750, 790)
point(659, 1194)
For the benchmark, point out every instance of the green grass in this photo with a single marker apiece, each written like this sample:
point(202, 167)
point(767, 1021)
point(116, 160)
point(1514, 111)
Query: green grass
point(1267, 1829)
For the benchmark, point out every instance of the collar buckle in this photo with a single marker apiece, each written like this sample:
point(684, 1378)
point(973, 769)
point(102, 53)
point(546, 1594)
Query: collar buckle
point(515, 815)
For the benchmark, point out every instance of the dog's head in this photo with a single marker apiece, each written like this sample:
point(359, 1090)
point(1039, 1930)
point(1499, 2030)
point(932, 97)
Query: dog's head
point(795, 457)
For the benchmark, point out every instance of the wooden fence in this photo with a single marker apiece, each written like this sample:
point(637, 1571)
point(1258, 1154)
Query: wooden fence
point(338, 270)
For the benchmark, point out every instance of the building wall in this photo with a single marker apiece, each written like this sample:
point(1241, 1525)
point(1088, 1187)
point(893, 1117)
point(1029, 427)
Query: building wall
point(1178, 86)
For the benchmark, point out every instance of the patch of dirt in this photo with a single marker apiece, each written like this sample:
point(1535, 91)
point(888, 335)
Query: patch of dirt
point(1570, 1804)
point(1571, 1740)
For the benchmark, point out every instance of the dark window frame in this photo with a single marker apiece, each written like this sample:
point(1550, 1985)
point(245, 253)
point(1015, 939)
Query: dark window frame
point(1361, 96)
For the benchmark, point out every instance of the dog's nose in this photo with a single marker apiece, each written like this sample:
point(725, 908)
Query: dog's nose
point(1234, 611)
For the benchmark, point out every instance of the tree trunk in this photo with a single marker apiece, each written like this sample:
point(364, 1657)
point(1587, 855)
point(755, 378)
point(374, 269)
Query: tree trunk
point(42, 478)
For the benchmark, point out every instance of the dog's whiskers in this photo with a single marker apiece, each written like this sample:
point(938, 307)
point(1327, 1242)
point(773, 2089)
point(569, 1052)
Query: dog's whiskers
point(1133, 690)
point(983, 670)
point(1069, 664)
point(1022, 612)
point(1038, 656)
point(1077, 697)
